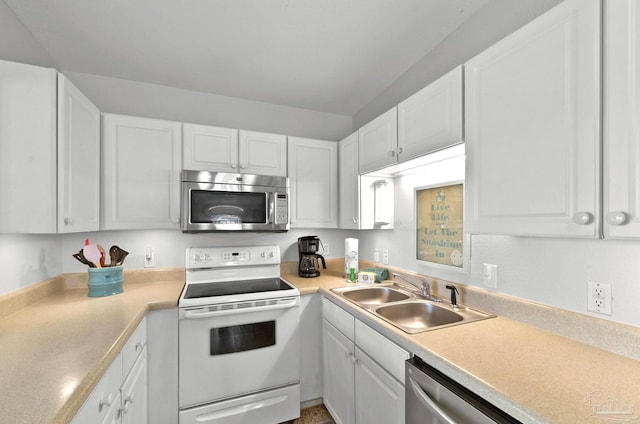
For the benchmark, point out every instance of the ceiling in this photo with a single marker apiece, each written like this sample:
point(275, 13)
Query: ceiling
point(332, 56)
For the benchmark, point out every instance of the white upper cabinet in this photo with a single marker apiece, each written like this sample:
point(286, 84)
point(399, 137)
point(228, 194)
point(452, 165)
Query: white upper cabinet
point(621, 119)
point(532, 128)
point(431, 119)
point(207, 148)
point(313, 175)
point(78, 160)
point(263, 153)
point(27, 149)
point(215, 149)
point(349, 183)
point(141, 173)
point(378, 142)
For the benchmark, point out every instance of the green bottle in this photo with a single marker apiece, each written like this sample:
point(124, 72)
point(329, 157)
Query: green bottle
point(352, 274)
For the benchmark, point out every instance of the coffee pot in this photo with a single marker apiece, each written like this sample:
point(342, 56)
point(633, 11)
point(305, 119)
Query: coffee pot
point(309, 259)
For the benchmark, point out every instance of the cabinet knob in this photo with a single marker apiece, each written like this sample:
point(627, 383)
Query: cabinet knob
point(127, 401)
point(176, 220)
point(355, 221)
point(233, 166)
point(68, 221)
point(582, 218)
point(106, 401)
point(399, 151)
point(392, 153)
point(617, 218)
point(243, 166)
point(139, 346)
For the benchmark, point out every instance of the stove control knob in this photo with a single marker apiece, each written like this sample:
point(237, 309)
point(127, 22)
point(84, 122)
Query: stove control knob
point(271, 254)
point(263, 254)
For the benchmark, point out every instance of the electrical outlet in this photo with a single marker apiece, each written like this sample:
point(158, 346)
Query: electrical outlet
point(376, 256)
point(385, 257)
point(327, 249)
point(599, 298)
point(149, 258)
point(490, 275)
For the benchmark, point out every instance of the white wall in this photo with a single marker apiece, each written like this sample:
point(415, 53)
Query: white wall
point(551, 271)
point(156, 101)
point(493, 22)
point(169, 246)
point(27, 259)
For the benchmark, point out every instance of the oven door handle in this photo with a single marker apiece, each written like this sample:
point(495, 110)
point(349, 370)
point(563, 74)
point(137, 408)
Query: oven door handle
point(198, 313)
point(429, 403)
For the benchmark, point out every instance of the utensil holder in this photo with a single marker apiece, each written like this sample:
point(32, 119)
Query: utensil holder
point(105, 281)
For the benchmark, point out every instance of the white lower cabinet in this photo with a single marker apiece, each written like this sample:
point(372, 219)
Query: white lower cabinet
point(363, 371)
point(120, 397)
point(310, 347)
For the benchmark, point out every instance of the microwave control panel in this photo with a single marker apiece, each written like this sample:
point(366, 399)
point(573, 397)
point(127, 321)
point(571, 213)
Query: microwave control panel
point(282, 208)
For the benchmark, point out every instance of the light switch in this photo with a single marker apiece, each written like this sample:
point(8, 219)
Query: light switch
point(490, 275)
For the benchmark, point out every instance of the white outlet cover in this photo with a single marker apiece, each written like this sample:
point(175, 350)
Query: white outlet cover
point(376, 255)
point(599, 298)
point(385, 257)
point(327, 249)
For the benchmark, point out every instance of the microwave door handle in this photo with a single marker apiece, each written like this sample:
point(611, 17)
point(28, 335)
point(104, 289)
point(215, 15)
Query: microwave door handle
point(430, 404)
point(271, 206)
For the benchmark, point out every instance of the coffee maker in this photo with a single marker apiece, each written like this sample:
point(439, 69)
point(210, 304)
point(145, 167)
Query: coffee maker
point(307, 250)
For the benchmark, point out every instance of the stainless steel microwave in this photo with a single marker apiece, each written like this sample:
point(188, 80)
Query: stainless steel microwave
point(217, 201)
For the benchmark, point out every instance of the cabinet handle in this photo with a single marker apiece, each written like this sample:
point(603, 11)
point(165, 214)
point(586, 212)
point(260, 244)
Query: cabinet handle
point(582, 218)
point(105, 401)
point(617, 218)
point(392, 153)
point(68, 221)
point(127, 401)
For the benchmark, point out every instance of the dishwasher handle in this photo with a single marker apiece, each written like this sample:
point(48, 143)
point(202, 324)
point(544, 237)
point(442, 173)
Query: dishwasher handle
point(429, 403)
point(205, 313)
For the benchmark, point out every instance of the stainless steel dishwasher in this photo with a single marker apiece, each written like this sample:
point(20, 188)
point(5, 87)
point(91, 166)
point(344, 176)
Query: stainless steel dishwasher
point(433, 398)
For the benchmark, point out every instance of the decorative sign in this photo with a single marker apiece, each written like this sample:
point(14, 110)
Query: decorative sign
point(439, 214)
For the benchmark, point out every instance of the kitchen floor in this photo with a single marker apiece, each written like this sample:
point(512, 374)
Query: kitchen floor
point(313, 415)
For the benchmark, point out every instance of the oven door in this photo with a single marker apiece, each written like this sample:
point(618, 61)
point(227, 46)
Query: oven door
point(225, 353)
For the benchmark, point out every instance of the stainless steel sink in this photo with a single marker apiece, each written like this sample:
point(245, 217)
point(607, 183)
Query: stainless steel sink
point(408, 311)
point(418, 315)
point(375, 295)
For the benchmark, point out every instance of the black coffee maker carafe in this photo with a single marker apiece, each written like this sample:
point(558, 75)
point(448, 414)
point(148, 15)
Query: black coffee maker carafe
point(308, 266)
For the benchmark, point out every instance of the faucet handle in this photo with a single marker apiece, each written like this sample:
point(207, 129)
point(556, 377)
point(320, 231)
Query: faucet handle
point(454, 290)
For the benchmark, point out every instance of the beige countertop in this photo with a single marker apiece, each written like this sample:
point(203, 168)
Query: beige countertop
point(54, 350)
point(532, 374)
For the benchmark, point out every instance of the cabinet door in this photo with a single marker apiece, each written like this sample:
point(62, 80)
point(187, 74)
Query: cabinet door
point(379, 397)
point(263, 153)
point(339, 377)
point(313, 174)
point(431, 119)
point(349, 183)
point(532, 128)
point(78, 160)
point(141, 180)
point(134, 393)
point(378, 142)
point(207, 148)
point(622, 119)
point(27, 149)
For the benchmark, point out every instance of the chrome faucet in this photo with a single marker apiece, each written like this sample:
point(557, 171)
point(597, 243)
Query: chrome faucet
point(423, 290)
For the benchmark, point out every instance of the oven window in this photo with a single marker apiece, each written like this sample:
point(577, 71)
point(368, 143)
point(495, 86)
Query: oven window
point(239, 338)
point(224, 207)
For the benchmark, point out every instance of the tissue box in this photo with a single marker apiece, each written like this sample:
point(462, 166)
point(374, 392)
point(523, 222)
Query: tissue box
point(366, 277)
point(105, 281)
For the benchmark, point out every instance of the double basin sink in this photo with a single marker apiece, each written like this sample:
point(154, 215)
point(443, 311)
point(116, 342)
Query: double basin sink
point(407, 311)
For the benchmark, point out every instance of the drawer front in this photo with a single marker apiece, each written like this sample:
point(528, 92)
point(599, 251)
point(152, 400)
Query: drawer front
point(339, 318)
point(103, 396)
point(382, 350)
point(134, 347)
